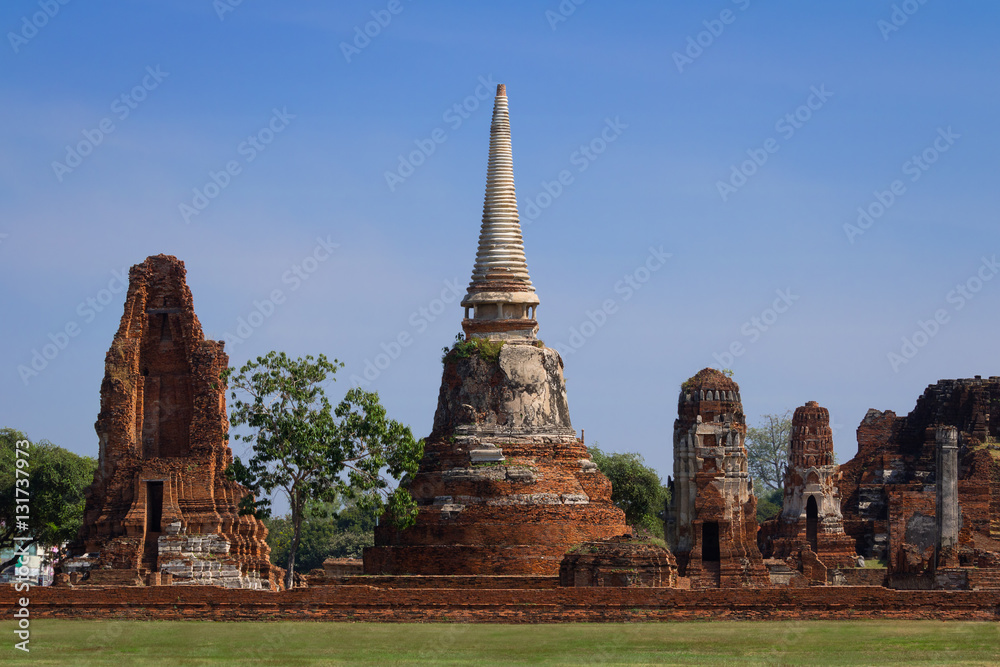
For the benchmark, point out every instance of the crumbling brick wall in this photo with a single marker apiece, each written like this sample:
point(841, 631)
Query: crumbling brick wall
point(893, 475)
point(162, 434)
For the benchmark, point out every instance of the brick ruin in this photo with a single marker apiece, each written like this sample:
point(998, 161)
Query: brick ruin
point(619, 562)
point(924, 497)
point(712, 516)
point(515, 522)
point(505, 486)
point(810, 516)
point(160, 507)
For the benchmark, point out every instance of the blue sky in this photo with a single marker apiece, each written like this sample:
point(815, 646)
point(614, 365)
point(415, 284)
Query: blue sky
point(738, 137)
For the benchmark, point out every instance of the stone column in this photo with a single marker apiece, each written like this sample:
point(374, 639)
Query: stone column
point(947, 515)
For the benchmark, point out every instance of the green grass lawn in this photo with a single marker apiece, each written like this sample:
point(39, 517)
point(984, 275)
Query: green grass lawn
point(127, 643)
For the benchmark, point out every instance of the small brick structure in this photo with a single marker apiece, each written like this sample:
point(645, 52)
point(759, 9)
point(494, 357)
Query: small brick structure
point(343, 567)
point(712, 516)
point(810, 516)
point(162, 434)
point(618, 561)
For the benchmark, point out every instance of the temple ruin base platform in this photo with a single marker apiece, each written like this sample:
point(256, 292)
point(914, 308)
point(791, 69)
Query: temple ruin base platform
point(492, 605)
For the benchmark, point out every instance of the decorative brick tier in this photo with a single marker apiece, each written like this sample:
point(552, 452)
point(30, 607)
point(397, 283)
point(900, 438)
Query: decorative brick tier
point(505, 486)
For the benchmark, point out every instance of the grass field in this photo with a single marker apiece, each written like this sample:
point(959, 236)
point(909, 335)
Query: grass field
point(127, 643)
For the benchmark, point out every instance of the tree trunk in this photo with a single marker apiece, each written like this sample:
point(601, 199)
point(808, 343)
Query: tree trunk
point(20, 548)
point(296, 507)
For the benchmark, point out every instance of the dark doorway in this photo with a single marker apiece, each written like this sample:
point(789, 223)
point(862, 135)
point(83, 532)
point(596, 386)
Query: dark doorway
point(154, 506)
point(710, 541)
point(812, 523)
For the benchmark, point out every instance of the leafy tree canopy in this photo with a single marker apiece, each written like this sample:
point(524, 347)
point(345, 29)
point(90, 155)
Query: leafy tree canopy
point(312, 451)
point(767, 452)
point(338, 529)
point(769, 505)
point(56, 481)
point(635, 488)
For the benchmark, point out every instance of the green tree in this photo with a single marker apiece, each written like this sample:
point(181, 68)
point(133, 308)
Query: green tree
point(312, 451)
point(338, 529)
point(635, 488)
point(769, 505)
point(56, 481)
point(767, 452)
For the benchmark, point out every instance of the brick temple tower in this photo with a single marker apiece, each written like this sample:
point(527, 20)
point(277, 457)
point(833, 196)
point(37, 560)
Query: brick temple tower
point(505, 485)
point(810, 514)
point(160, 502)
point(712, 517)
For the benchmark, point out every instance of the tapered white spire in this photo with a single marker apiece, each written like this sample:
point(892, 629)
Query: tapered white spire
point(500, 293)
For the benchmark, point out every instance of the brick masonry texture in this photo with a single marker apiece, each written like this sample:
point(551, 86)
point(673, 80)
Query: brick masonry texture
point(810, 517)
point(888, 489)
point(505, 486)
point(712, 517)
point(162, 434)
point(619, 561)
point(372, 603)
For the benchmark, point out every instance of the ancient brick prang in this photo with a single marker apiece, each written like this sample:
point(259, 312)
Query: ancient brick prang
point(619, 561)
point(712, 518)
point(505, 486)
point(162, 434)
point(889, 490)
point(810, 514)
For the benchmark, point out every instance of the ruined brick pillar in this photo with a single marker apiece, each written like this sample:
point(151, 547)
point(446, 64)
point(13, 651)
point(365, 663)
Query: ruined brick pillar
point(163, 453)
point(712, 518)
point(948, 520)
point(810, 515)
point(505, 486)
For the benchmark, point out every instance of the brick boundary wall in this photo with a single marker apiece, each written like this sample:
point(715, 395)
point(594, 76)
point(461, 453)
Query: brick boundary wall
point(368, 603)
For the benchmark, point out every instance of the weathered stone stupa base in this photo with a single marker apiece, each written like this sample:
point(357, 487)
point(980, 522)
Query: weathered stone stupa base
point(505, 486)
point(515, 516)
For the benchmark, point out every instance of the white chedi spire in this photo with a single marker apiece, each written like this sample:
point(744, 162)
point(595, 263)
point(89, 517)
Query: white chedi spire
point(500, 294)
point(501, 248)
